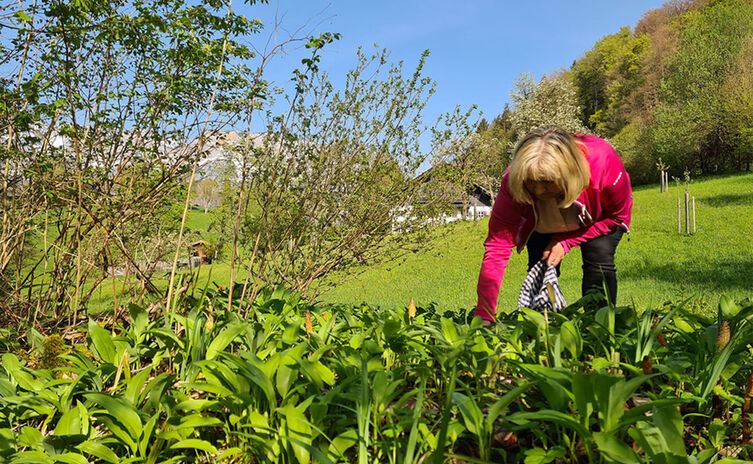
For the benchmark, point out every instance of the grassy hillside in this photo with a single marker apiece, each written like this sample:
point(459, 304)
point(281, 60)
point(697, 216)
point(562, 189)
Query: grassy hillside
point(655, 264)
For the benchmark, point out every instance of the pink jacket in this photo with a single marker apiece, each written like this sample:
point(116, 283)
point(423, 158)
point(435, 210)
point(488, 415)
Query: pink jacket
point(605, 204)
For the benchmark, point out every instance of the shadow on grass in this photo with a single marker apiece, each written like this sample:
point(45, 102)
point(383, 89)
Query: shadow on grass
point(730, 199)
point(725, 274)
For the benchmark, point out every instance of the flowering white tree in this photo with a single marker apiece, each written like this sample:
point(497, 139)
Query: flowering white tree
point(551, 101)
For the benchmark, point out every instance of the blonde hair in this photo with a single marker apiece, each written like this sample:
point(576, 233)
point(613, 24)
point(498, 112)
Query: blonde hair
point(549, 154)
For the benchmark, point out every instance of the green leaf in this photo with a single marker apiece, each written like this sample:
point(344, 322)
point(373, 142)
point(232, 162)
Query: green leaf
point(717, 433)
point(611, 394)
point(194, 421)
point(30, 437)
point(638, 413)
point(284, 378)
point(549, 415)
point(147, 439)
point(139, 319)
point(324, 373)
point(229, 453)
point(32, 457)
point(24, 379)
point(683, 325)
point(102, 341)
point(449, 330)
point(649, 438)
point(728, 307)
point(135, 386)
point(69, 423)
point(472, 415)
point(120, 410)
point(720, 363)
point(226, 336)
point(195, 405)
point(290, 334)
point(71, 458)
point(669, 421)
point(542, 456)
point(343, 443)
point(571, 339)
point(98, 450)
point(416, 419)
point(21, 14)
point(534, 318)
point(615, 449)
point(501, 404)
point(296, 430)
point(195, 443)
point(167, 335)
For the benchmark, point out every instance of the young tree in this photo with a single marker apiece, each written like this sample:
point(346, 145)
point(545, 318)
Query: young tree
point(206, 194)
point(466, 158)
point(334, 177)
point(457, 157)
point(109, 105)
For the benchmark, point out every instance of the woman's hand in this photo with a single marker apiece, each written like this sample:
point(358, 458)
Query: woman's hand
point(553, 254)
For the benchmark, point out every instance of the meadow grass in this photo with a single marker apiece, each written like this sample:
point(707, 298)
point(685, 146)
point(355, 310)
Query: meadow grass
point(655, 263)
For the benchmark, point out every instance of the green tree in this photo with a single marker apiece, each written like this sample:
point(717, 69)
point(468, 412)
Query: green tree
point(607, 76)
point(458, 158)
point(334, 177)
point(108, 105)
point(737, 92)
point(205, 193)
point(494, 144)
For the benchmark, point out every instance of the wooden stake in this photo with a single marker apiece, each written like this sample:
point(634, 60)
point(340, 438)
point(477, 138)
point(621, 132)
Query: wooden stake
point(687, 213)
point(661, 182)
point(679, 217)
point(693, 214)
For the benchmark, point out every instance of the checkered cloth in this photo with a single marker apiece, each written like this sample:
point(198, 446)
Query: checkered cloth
point(534, 294)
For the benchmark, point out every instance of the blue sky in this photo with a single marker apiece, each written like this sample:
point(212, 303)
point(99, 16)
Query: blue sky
point(477, 48)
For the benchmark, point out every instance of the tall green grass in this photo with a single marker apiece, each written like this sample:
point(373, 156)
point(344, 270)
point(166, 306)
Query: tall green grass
point(655, 263)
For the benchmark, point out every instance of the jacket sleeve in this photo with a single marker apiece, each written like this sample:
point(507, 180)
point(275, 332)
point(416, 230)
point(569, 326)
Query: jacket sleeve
point(617, 204)
point(503, 226)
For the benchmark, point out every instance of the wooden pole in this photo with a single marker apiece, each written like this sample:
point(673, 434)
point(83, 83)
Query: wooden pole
point(687, 213)
point(693, 214)
point(664, 181)
point(679, 217)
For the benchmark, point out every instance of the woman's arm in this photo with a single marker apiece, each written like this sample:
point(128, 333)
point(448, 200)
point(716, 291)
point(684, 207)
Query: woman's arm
point(503, 226)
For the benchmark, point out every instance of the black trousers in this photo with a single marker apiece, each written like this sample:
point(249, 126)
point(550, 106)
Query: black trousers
point(598, 260)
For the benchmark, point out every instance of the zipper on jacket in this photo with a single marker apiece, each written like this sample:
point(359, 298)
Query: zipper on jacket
point(584, 217)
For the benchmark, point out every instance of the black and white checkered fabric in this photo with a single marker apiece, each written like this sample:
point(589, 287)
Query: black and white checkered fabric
point(534, 295)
